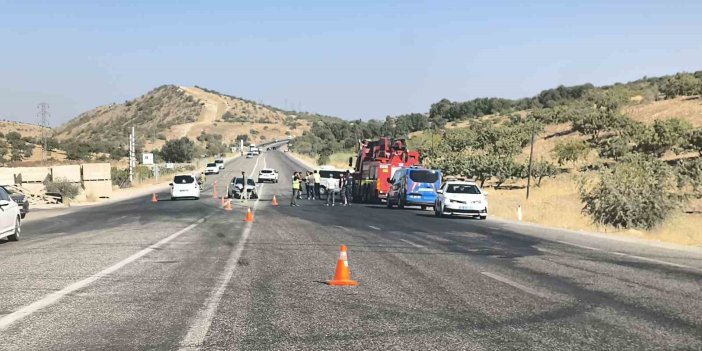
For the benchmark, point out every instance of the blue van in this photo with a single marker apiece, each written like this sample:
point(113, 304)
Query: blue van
point(413, 186)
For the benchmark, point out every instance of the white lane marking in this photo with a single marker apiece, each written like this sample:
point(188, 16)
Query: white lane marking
point(340, 227)
point(374, 227)
point(656, 261)
point(580, 246)
point(635, 257)
point(203, 321)
point(54, 297)
point(549, 251)
point(514, 284)
point(413, 244)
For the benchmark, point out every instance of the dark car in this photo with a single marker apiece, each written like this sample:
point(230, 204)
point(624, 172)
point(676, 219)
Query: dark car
point(20, 199)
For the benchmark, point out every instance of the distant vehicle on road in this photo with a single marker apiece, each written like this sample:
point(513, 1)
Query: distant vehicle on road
point(268, 175)
point(185, 186)
point(20, 199)
point(212, 168)
point(220, 163)
point(249, 155)
point(461, 197)
point(10, 217)
point(413, 186)
point(236, 188)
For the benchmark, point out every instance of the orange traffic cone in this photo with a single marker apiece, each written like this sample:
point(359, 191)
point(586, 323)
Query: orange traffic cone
point(228, 206)
point(221, 203)
point(342, 276)
point(153, 198)
point(214, 190)
point(249, 216)
point(274, 202)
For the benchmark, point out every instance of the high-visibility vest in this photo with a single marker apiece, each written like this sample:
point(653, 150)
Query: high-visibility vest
point(316, 177)
point(296, 184)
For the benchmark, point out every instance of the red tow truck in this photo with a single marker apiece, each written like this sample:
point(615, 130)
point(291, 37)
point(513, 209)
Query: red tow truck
point(375, 163)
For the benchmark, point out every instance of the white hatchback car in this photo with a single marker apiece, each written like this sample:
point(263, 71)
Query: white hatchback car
point(461, 197)
point(185, 186)
point(268, 175)
point(212, 168)
point(10, 217)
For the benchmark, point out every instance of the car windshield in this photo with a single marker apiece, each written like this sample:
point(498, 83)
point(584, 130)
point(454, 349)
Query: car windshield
point(462, 189)
point(249, 181)
point(266, 171)
point(424, 176)
point(184, 179)
point(219, 161)
point(331, 174)
point(211, 165)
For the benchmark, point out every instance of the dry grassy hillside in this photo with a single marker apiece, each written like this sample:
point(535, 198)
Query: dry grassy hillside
point(26, 129)
point(170, 112)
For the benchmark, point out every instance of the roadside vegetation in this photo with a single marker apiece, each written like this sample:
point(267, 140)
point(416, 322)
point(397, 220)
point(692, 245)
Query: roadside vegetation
point(623, 172)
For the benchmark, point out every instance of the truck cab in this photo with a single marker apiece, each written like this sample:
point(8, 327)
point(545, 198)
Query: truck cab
point(413, 186)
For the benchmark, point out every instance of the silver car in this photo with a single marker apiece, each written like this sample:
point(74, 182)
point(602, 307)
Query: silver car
point(10, 217)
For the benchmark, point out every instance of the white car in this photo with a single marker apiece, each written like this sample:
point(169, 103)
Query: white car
point(212, 168)
point(220, 162)
point(185, 186)
point(10, 217)
point(249, 155)
point(329, 178)
point(461, 197)
point(268, 175)
point(236, 188)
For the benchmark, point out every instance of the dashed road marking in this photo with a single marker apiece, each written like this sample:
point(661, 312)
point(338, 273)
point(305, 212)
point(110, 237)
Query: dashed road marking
point(54, 297)
point(514, 284)
point(201, 325)
point(413, 244)
point(656, 261)
point(373, 227)
point(580, 246)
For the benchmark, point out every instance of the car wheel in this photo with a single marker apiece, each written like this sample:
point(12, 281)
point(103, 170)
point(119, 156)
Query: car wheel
point(16, 235)
point(23, 215)
point(436, 211)
point(197, 198)
point(482, 218)
point(173, 198)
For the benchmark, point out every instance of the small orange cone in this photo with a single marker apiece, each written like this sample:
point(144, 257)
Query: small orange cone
point(214, 190)
point(221, 203)
point(249, 216)
point(228, 206)
point(274, 202)
point(153, 198)
point(342, 276)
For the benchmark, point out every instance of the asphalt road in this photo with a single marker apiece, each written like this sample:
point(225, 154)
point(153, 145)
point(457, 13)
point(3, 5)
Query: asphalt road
point(188, 275)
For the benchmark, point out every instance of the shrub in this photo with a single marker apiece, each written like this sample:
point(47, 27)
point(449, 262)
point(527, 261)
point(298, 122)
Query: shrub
point(639, 192)
point(570, 151)
point(541, 169)
point(120, 177)
point(63, 187)
point(178, 150)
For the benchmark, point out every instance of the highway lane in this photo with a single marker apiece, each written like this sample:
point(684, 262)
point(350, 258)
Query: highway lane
point(425, 282)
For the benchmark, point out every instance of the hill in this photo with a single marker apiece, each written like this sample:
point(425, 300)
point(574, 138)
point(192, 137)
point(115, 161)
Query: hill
point(170, 112)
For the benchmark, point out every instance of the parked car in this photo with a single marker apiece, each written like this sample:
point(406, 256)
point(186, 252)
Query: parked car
point(249, 155)
point(212, 168)
point(10, 217)
point(236, 188)
point(461, 197)
point(20, 199)
point(268, 175)
point(185, 186)
point(413, 186)
point(220, 163)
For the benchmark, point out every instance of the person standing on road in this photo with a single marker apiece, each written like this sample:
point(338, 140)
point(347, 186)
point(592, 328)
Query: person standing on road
point(295, 189)
point(348, 187)
point(317, 180)
point(310, 186)
point(244, 193)
point(332, 189)
point(303, 185)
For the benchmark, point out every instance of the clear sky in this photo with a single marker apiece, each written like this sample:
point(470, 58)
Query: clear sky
point(353, 59)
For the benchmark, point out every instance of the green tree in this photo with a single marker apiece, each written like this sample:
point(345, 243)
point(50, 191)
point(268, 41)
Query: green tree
point(542, 169)
point(615, 147)
point(694, 141)
point(664, 135)
point(681, 84)
point(639, 192)
point(178, 150)
point(570, 151)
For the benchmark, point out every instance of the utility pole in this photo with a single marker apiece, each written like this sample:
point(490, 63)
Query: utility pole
point(531, 155)
point(44, 122)
point(132, 156)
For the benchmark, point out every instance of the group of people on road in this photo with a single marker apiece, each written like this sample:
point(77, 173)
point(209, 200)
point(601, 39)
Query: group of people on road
point(310, 181)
